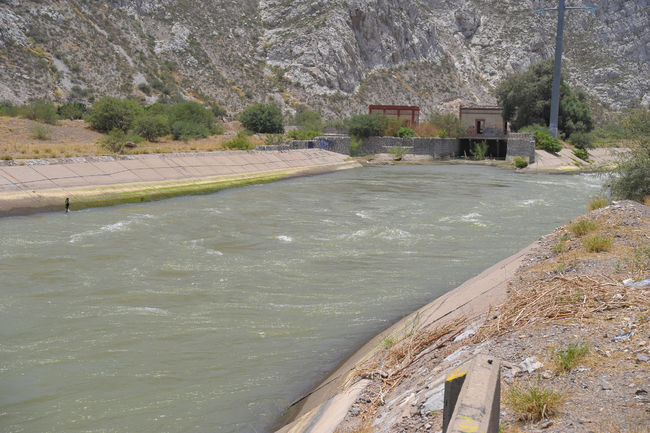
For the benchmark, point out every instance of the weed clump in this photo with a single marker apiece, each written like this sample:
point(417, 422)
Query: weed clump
point(597, 244)
point(597, 203)
point(532, 403)
point(583, 227)
point(567, 359)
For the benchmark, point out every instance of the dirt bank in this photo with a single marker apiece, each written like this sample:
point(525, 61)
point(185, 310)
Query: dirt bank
point(554, 295)
point(38, 186)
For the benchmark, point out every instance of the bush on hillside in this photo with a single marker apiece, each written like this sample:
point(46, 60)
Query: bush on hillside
point(109, 113)
point(114, 141)
point(151, 127)
point(41, 111)
point(7, 108)
point(188, 130)
point(308, 119)
point(192, 112)
point(72, 111)
point(263, 118)
point(367, 125)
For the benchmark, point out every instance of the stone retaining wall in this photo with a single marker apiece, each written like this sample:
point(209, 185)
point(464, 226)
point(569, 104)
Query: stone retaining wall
point(436, 147)
point(338, 144)
point(522, 145)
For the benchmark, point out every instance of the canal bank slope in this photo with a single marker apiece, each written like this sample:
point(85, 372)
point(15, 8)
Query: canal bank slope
point(524, 311)
point(43, 185)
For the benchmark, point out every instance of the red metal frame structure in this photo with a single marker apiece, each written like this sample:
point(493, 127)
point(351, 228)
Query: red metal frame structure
point(410, 113)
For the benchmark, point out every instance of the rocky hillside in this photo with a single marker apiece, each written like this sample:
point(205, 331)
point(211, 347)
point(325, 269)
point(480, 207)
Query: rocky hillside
point(336, 56)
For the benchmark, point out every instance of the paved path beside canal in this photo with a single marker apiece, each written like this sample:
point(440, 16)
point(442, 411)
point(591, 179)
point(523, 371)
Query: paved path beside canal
point(41, 185)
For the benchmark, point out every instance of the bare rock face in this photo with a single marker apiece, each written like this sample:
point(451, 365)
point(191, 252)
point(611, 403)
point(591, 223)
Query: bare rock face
point(468, 22)
point(333, 55)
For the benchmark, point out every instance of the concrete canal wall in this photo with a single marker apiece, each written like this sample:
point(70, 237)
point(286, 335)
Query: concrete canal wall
point(40, 185)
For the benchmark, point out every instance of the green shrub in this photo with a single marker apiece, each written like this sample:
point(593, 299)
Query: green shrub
point(40, 131)
point(308, 119)
point(72, 110)
point(241, 142)
point(41, 111)
point(354, 146)
point(448, 125)
point(398, 152)
point(192, 112)
point(543, 140)
point(7, 108)
point(405, 132)
point(151, 127)
point(367, 125)
point(186, 130)
point(596, 243)
point(114, 141)
point(583, 227)
point(582, 154)
point(520, 162)
point(631, 178)
point(145, 88)
point(299, 134)
point(480, 150)
point(109, 113)
point(263, 118)
point(581, 140)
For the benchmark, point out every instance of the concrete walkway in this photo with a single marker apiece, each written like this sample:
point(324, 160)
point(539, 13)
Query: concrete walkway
point(38, 186)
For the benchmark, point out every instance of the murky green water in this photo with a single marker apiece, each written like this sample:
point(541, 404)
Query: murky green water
point(213, 313)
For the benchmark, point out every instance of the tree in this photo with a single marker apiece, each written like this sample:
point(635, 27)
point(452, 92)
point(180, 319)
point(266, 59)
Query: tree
point(448, 124)
point(526, 100)
point(262, 118)
point(113, 113)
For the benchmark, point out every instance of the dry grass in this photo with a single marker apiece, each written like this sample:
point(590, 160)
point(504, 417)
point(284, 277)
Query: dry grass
point(560, 297)
point(597, 203)
point(72, 138)
point(391, 366)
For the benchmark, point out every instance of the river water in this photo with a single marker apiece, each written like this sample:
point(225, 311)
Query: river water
point(213, 313)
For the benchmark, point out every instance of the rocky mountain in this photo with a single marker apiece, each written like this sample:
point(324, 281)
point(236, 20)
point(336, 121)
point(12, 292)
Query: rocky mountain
point(333, 55)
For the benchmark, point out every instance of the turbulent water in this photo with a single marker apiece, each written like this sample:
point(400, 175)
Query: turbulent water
point(212, 313)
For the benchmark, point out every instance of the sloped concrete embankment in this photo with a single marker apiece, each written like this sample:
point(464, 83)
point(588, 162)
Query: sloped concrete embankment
point(326, 406)
point(40, 186)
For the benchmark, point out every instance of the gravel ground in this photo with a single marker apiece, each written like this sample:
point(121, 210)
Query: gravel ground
point(561, 295)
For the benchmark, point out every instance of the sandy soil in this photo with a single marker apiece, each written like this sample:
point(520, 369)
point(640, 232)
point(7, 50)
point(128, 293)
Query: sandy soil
point(561, 295)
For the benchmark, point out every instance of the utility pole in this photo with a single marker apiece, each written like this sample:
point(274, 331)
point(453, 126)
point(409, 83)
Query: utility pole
point(557, 66)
